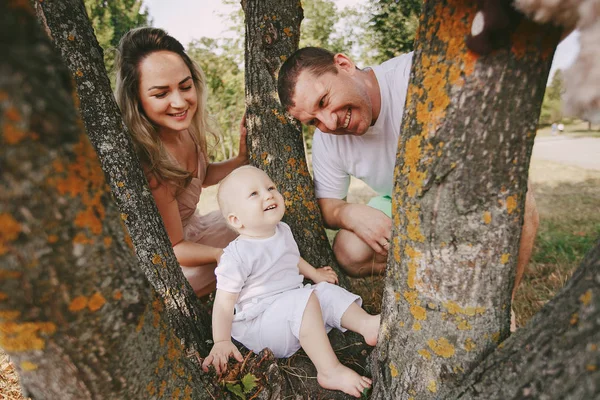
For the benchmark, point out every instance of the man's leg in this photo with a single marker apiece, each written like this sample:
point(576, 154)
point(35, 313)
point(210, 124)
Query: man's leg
point(531, 221)
point(356, 257)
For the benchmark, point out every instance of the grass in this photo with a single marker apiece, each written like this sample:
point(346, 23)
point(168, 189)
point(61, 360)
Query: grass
point(568, 200)
point(569, 228)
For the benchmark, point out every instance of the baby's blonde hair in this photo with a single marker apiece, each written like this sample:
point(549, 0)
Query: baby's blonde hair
point(223, 198)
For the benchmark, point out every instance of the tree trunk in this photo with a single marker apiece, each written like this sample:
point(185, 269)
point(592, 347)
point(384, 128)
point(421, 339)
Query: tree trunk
point(67, 24)
point(556, 356)
point(275, 140)
point(461, 180)
point(77, 316)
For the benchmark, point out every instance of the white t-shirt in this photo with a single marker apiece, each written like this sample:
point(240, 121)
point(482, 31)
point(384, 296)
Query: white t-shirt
point(372, 156)
point(259, 268)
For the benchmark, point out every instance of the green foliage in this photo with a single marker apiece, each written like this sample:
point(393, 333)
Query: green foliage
point(111, 19)
point(552, 104)
point(393, 27)
point(220, 60)
point(244, 387)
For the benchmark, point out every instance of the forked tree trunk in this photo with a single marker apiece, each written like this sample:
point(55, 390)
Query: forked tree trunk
point(556, 356)
point(67, 24)
point(77, 315)
point(274, 140)
point(461, 180)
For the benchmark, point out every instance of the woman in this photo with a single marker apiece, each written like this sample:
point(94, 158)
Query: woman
point(162, 95)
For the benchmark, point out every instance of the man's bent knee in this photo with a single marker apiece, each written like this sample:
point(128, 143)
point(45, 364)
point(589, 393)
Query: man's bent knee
point(356, 257)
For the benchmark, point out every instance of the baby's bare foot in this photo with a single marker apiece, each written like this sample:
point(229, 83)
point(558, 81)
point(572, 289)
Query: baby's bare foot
point(344, 379)
point(372, 330)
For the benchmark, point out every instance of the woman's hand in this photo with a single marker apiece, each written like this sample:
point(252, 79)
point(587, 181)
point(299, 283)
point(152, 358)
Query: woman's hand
point(325, 274)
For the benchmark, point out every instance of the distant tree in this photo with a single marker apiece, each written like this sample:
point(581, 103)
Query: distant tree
point(111, 19)
point(393, 27)
point(552, 105)
point(220, 60)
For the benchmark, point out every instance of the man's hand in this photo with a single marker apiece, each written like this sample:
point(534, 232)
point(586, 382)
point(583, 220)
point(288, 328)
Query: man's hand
point(219, 355)
point(325, 274)
point(371, 225)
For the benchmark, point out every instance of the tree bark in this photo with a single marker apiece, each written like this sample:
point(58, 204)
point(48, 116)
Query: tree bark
point(461, 180)
point(67, 24)
point(275, 139)
point(556, 356)
point(77, 316)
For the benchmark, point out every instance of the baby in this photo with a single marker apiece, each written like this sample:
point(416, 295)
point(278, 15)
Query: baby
point(260, 276)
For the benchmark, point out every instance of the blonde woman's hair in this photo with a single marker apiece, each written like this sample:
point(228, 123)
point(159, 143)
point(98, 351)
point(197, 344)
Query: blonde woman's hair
point(134, 47)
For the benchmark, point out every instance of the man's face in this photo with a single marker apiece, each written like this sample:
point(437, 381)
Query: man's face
point(335, 103)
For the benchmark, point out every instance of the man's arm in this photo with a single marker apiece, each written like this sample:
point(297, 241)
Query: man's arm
point(370, 225)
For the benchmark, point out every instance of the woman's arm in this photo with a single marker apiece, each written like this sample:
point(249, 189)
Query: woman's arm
point(217, 171)
point(187, 253)
point(222, 319)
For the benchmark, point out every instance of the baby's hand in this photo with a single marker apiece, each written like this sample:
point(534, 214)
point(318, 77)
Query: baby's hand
point(326, 274)
point(219, 355)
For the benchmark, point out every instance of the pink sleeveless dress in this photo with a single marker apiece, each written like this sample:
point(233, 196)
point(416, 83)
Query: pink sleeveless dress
point(210, 229)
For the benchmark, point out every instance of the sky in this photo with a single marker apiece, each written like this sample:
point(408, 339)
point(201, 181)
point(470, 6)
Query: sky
point(191, 19)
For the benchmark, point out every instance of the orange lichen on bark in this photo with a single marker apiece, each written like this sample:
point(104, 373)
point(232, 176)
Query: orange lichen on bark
point(425, 354)
point(487, 217)
point(83, 178)
point(442, 347)
point(28, 366)
point(10, 231)
point(157, 307)
point(454, 309)
point(574, 319)
point(414, 225)
point(9, 315)
point(511, 203)
point(140, 324)
point(78, 303)
point(469, 344)
point(9, 274)
point(504, 259)
point(393, 370)
point(82, 238)
point(586, 298)
point(117, 295)
point(96, 302)
point(151, 389)
point(432, 387)
point(161, 390)
point(463, 325)
point(414, 256)
point(20, 337)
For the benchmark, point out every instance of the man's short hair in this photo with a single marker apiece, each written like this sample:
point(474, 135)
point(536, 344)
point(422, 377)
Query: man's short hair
point(315, 60)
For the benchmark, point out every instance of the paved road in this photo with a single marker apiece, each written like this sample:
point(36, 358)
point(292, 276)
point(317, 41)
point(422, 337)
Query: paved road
point(579, 152)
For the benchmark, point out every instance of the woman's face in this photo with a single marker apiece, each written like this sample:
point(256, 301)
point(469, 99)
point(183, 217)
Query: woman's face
point(167, 92)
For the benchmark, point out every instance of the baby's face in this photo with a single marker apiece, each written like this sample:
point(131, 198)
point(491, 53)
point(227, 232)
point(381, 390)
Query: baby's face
point(255, 202)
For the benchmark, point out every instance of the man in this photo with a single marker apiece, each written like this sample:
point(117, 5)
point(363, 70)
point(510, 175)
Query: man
point(357, 114)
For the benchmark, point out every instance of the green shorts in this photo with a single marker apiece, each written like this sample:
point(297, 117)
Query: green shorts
point(382, 203)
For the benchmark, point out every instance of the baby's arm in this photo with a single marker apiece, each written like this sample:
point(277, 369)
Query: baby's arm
point(324, 274)
point(221, 324)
